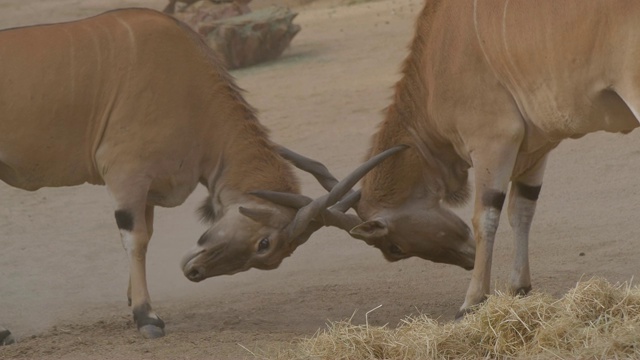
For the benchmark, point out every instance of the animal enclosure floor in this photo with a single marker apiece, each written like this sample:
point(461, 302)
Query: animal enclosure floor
point(63, 272)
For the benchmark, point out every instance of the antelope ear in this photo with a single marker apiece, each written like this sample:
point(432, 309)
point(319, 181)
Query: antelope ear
point(261, 216)
point(369, 230)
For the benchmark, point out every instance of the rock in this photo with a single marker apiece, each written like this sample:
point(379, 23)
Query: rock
point(171, 7)
point(239, 36)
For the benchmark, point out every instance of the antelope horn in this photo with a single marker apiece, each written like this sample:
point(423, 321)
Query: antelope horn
point(333, 216)
point(346, 222)
point(313, 167)
point(306, 234)
point(309, 212)
point(326, 180)
point(352, 179)
point(348, 201)
point(330, 217)
point(295, 201)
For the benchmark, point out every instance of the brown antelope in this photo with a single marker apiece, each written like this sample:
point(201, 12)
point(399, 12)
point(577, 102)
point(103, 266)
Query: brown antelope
point(134, 100)
point(494, 85)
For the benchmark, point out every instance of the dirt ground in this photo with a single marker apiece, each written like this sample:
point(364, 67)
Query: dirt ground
point(63, 274)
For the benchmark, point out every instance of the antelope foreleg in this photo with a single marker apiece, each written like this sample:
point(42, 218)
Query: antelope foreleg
point(134, 230)
point(523, 197)
point(493, 165)
point(149, 220)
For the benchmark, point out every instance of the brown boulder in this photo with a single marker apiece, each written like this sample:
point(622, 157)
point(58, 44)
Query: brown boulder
point(171, 7)
point(242, 37)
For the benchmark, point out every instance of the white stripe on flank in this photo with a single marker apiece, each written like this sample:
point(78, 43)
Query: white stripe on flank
point(475, 26)
point(132, 37)
point(72, 66)
point(504, 32)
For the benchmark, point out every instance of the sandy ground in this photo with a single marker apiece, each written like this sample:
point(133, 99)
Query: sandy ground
point(64, 274)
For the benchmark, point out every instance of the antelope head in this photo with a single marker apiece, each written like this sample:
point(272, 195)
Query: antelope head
point(254, 233)
point(418, 226)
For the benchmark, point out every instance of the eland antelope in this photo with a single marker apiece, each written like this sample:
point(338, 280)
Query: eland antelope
point(494, 85)
point(134, 100)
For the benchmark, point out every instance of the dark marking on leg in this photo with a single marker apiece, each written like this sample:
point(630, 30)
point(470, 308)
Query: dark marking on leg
point(528, 192)
point(142, 318)
point(124, 219)
point(493, 198)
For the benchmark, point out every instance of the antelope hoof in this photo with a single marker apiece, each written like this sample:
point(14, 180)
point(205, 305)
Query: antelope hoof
point(462, 313)
point(6, 338)
point(469, 309)
point(149, 325)
point(150, 328)
point(151, 331)
point(523, 291)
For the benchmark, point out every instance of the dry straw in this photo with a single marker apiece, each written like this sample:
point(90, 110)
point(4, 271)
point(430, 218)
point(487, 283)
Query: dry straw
point(595, 320)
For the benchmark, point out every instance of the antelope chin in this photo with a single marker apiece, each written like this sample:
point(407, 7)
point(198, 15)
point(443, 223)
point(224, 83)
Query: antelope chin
point(188, 258)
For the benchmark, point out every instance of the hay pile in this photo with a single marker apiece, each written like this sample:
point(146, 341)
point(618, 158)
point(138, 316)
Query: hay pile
point(596, 319)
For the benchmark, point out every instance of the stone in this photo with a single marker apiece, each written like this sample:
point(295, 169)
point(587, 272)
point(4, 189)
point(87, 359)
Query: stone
point(239, 36)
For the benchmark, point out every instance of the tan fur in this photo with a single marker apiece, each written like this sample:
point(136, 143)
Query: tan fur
point(494, 84)
point(135, 100)
point(268, 169)
point(393, 181)
point(100, 96)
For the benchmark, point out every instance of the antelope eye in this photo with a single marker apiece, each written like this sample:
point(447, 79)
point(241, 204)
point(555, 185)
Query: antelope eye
point(263, 245)
point(395, 250)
